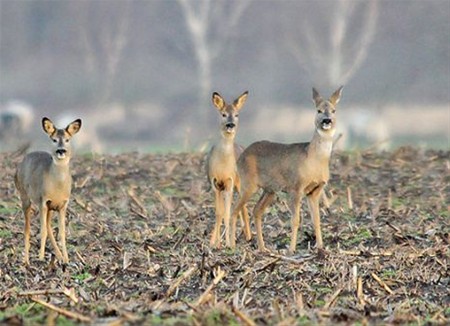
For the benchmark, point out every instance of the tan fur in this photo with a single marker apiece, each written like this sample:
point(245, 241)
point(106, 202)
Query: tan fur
point(44, 180)
point(301, 169)
point(222, 170)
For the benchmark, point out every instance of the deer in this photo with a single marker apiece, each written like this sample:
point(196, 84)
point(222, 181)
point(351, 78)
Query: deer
point(300, 169)
point(43, 180)
point(221, 168)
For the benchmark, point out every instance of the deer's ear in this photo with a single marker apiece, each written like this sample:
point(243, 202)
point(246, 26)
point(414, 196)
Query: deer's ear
point(73, 127)
point(316, 97)
point(48, 126)
point(218, 101)
point(239, 102)
point(336, 97)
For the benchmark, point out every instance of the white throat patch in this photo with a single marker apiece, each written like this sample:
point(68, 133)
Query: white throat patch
point(326, 134)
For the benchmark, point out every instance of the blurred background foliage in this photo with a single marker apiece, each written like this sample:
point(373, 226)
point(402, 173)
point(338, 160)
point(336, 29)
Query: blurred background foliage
point(157, 62)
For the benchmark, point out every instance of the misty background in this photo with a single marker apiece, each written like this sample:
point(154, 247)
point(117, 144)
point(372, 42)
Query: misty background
point(141, 73)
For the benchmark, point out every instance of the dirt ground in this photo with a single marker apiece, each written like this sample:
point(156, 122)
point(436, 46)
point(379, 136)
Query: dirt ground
point(138, 240)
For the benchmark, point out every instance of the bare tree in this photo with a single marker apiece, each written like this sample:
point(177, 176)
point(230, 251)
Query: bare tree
point(103, 35)
point(331, 39)
point(210, 25)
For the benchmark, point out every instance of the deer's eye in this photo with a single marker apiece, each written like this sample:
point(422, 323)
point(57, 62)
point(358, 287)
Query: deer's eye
point(55, 140)
point(224, 115)
point(333, 111)
point(66, 140)
point(236, 115)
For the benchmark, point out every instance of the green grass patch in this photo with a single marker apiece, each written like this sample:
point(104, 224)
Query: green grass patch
point(31, 313)
point(445, 213)
point(285, 240)
point(162, 254)
point(322, 290)
point(173, 192)
point(230, 251)
point(364, 234)
point(5, 234)
point(219, 317)
point(63, 321)
point(303, 321)
point(4, 210)
point(168, 230)
point(82, 276)
point(361, 235)
point(398, 202)
point(389, 274)
point(447, 312)
point(157, 320)
point(348, 216)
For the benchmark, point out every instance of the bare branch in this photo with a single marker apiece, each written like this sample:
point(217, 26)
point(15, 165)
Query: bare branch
point(337, 59)
point(210, 25)
point(367, 38)
point(103, 43)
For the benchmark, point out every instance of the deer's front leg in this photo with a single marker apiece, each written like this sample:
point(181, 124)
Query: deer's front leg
point(219, 206)
point(51, 236)
point(296, 220)
point(43, 210)
point(313, 202)
point(228, 196)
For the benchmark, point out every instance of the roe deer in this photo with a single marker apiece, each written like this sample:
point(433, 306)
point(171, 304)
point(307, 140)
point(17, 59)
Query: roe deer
point(299, 169)
point(44, 180)
point(221, 167)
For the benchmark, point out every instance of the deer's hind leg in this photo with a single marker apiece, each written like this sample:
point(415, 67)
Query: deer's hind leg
point(243, 213)
point(62, 232)
point(27, 212)
point(265, 200)
point(246, 223)
point(227, 197)
point(43, 209)
point(243, 198)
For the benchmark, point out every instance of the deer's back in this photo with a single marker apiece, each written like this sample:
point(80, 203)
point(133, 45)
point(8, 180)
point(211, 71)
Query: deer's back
point(275, 166)
point(31, 170)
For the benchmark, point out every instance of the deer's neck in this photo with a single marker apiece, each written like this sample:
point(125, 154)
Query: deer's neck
point(321, 146)
point(226, 144)
point(60, 170)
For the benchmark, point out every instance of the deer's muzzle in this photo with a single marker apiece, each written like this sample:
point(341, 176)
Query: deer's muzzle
point(230, 126)
point(61, 153)
point(326, 123)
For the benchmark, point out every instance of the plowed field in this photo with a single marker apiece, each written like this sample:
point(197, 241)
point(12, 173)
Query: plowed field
point(138, 240)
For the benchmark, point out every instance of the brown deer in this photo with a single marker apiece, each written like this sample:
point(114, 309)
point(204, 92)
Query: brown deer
point(44, 180)
point(301, 169)
point(221, 168)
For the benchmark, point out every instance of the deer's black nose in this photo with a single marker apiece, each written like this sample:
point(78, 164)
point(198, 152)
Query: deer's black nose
point(230, 125)
point(326, 121)
point(61, 151)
